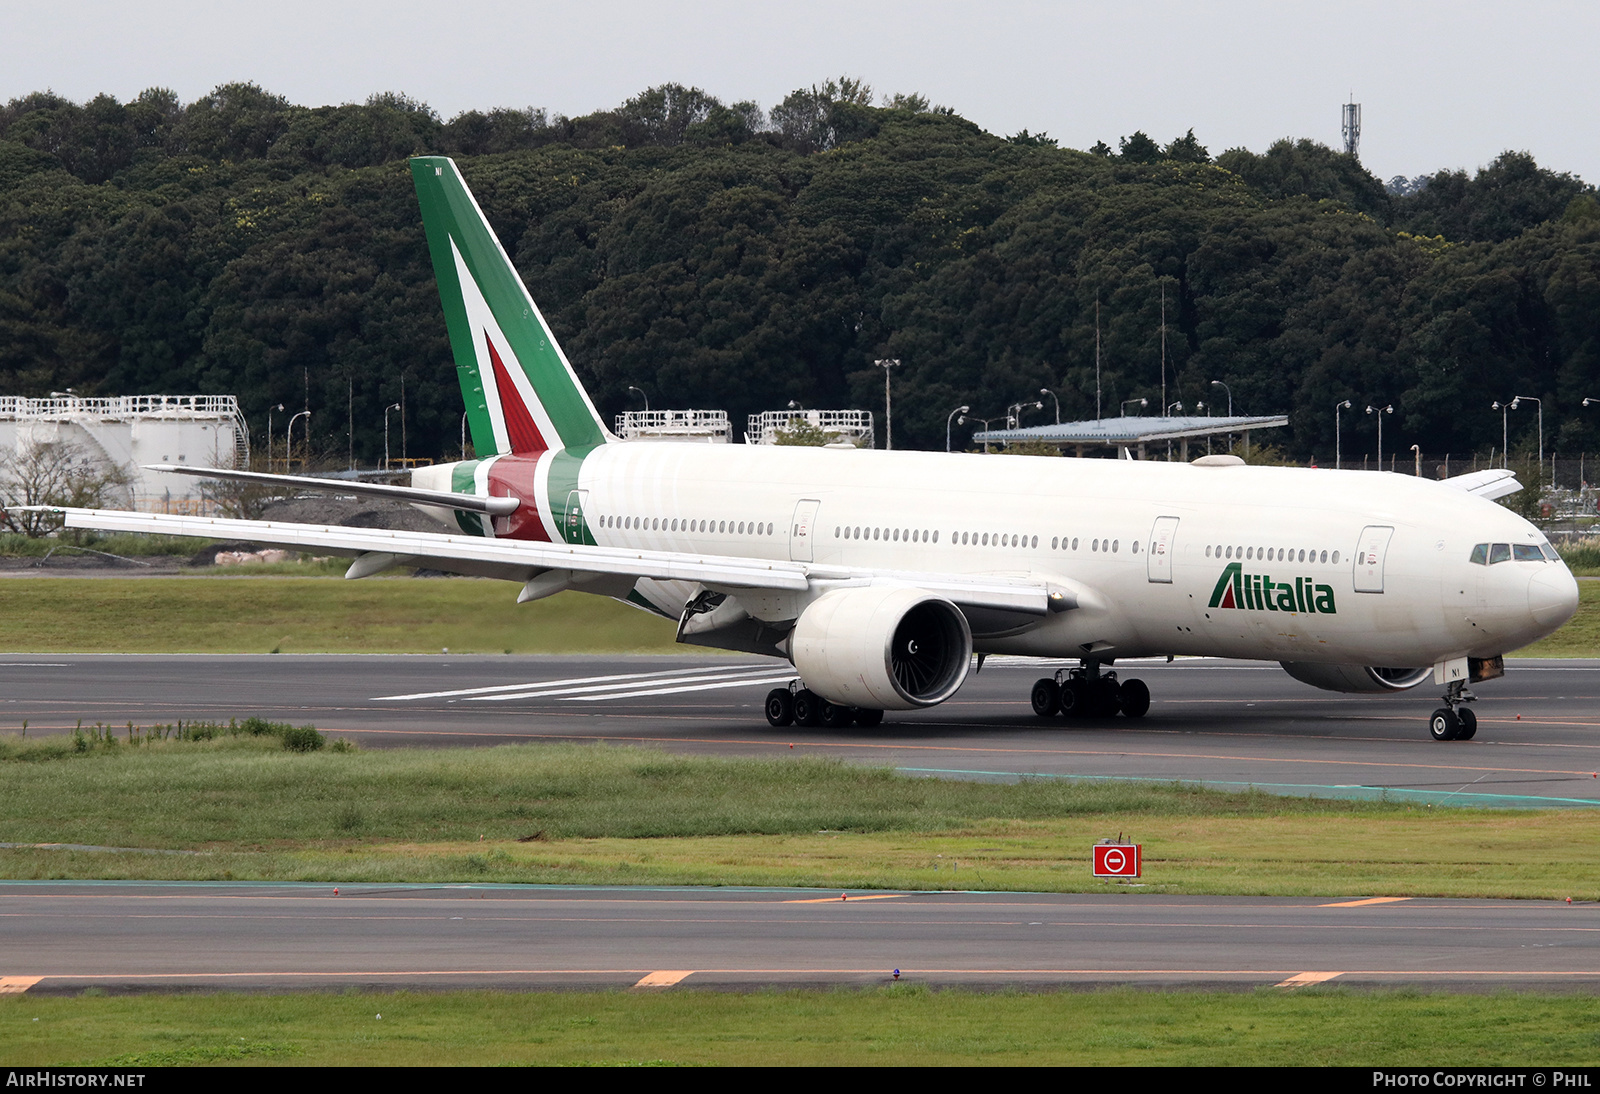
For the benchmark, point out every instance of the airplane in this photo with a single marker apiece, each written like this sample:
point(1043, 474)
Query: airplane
point(880, 574)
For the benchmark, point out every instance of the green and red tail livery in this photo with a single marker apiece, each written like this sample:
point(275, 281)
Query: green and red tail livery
point(521, 393)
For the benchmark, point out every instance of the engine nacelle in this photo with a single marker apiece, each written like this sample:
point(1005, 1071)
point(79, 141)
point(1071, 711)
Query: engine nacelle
point(882, 648)
point(1368, 678)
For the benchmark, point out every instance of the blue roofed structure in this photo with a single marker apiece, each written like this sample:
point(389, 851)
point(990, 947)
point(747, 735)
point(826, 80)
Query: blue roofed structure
point(1132, 433)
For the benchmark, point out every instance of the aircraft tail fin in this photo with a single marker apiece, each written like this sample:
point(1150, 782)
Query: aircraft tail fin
point(521, 392)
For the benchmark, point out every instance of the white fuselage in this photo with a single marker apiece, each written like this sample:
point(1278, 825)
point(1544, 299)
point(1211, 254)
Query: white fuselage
point(1146, 543)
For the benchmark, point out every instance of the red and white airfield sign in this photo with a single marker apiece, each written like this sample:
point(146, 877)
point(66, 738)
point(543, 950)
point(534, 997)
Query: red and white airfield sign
point(1117, 859)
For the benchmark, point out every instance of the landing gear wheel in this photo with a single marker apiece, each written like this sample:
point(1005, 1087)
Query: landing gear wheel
point(1071, 700)
point(1135, 698)
point(807, 708)
point(867, 719)
point(1107, 697)
point(837, 717)
point(1444, 725)
point(1468, 724)
point(780, 708)
point(1046, 697)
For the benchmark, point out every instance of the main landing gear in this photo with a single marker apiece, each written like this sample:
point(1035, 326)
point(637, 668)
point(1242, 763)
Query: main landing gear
point(802, 706)
point(1087, 693)
point(1454, 722)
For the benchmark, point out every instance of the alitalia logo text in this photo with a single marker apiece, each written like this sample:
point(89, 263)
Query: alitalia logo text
point(1237, 589)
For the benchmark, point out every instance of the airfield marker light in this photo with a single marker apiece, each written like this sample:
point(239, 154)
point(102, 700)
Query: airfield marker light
point(335, 890)
point(897, 971)
point(844, 896)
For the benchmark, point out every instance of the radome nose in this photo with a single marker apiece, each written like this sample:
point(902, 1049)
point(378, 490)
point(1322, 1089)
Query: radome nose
point(1552, 596)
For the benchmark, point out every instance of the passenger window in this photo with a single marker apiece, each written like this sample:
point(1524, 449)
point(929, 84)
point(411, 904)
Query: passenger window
point(1527, 552)
point(1499, 552)
point(1480, 554)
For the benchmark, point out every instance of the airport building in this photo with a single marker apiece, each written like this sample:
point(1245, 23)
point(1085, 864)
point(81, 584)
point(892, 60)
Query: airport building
point(130, 431)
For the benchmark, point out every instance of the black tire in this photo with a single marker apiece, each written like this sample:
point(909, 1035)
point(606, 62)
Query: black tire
point(837, 717)
point(780, 708)
point(1107, 698)
point(807, 708)
point(1071, 700)
point(1046, 697)
point(1135, 698)
point(867, 719)
point(1468, 724)
point(1444, 725)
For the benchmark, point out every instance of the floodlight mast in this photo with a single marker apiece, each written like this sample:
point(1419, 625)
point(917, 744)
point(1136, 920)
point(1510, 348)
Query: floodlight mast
point(1380, 411)
point(1504, 433)
point(887, 363)
point(1337, 453)
point(947, 421)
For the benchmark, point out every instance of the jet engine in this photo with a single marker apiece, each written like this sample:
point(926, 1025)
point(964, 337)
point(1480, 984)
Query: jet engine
point(1367, 678)
point(882, 648)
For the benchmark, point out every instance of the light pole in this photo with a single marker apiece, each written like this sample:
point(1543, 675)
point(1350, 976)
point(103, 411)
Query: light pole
point(1380, 411)
point(1047, 391)
point(947, 421)
point(1225, 387)
point(270, 409)
point(288, 438)
point(887, 363)
point(1337, 407)
point(1531, 399)
point(386, 411)
point(1178, 404)
point(643, 396)
point(1014, 411)
point(1123, 409)
point(985, 422)
point(1416, 450)
point(1502, 408)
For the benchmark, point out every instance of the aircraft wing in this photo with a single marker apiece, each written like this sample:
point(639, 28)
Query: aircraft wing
point(377, 549)
point(1497, 482)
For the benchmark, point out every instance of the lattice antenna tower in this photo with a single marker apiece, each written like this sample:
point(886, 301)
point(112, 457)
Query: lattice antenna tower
point(1352, 127)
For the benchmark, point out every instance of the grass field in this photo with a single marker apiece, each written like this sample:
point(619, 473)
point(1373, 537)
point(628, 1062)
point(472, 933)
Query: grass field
point(900, 1025)
point(247, 810)
point(264, 614)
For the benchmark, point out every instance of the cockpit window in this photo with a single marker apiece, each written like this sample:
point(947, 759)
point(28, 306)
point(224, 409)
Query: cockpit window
point(1499, 552)
point(1480, 554)
point(1527, 552)
point(1550, 552)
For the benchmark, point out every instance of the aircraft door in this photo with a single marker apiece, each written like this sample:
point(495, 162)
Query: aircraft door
point(801, 532)
point(572, 522)
point(1158, 558)
point(1371, 549)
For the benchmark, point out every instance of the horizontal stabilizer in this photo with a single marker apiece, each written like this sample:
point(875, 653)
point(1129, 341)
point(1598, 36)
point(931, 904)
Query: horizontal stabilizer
point(497, 507)
point(1497, 482)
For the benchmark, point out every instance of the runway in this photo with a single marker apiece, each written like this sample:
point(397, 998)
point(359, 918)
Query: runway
point(1222, 723)
point(63, 937)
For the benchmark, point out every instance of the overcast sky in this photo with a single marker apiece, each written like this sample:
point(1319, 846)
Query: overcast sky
point(1440, 84)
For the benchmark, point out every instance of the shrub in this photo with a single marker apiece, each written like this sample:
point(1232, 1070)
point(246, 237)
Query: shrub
point(302, 738)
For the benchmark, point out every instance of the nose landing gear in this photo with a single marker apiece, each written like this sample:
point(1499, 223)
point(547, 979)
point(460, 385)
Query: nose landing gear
point(1455, 721)
point(1085, 693)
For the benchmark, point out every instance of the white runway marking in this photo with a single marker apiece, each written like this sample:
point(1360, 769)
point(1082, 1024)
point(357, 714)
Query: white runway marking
point(614, 686)
point(748, 683)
